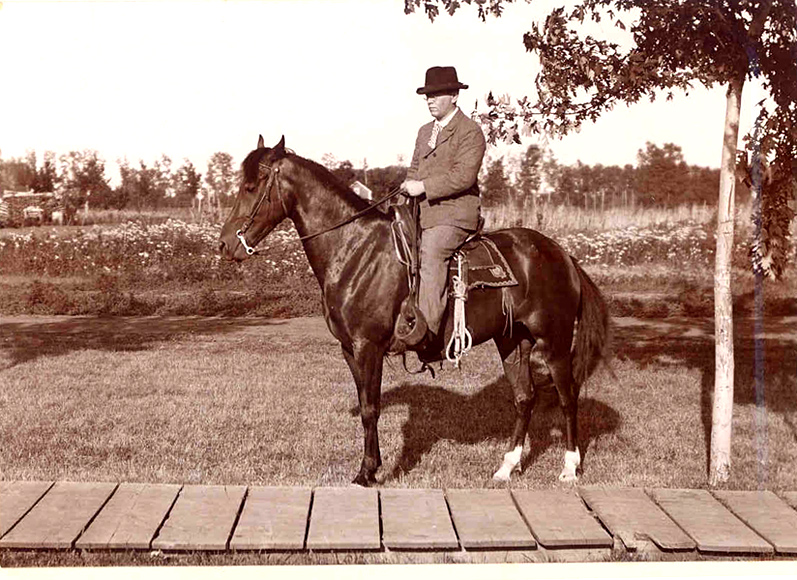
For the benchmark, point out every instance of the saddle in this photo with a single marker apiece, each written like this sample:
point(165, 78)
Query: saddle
point(477, 263)
point(487, 266)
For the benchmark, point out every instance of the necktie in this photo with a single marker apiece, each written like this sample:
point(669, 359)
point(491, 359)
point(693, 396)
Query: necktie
point(435, 133)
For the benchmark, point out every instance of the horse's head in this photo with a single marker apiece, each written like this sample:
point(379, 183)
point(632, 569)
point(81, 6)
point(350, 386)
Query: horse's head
point(260, 205)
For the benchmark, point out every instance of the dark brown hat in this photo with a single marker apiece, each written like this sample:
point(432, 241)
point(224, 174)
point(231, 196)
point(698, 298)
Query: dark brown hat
point(441, 78)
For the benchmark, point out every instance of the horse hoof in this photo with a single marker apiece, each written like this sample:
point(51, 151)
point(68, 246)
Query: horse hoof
point(572, 465)
point(502, 476)
point(511, 463)
point(360, 481)
point(565, 476)
point(364, 480)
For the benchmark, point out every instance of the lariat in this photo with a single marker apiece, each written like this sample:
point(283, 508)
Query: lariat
point(461, 340)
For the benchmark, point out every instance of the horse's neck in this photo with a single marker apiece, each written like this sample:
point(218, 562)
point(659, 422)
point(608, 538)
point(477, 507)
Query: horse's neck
point(321, 211)
point(319, 208)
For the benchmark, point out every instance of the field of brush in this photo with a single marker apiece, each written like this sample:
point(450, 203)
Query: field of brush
point(650, 263)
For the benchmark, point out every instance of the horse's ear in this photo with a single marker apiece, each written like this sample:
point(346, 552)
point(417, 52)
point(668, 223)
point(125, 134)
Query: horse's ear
point(280, 148)
point(260, 142)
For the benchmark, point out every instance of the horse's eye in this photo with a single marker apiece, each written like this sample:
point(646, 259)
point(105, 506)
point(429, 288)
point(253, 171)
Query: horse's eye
point(250, 187)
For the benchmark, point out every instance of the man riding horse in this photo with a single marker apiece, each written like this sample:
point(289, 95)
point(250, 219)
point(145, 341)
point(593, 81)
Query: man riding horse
point(443, 175)
point(552, 305)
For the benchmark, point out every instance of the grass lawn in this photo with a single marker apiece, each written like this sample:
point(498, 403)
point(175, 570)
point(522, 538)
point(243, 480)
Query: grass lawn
point(245, 401)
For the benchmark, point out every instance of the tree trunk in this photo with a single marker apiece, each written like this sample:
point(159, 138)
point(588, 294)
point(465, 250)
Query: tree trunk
point(533, 209)
point(722, 412)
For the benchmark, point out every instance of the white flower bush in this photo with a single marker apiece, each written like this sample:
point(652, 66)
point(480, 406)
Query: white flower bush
point(674, 244)
point(167, 251)
point(177, 251)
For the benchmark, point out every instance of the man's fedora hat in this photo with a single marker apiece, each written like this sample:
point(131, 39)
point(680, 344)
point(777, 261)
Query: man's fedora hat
point(439, 79)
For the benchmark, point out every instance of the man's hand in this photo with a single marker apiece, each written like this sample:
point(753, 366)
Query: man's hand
point(413, 188)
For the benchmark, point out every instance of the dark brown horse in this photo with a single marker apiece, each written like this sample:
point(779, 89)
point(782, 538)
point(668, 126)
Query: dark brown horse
point(363, 286)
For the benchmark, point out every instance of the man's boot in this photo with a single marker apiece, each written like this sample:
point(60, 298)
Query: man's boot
point(430, 349)
point(411, 328)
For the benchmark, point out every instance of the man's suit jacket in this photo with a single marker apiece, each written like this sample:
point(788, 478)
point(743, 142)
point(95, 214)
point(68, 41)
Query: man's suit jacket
point(449, 172)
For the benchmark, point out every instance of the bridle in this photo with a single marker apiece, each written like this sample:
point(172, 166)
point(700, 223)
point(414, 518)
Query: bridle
point(266, 194)
point(272, 179)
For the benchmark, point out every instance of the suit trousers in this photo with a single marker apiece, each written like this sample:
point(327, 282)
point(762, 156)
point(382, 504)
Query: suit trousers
point(437, 245)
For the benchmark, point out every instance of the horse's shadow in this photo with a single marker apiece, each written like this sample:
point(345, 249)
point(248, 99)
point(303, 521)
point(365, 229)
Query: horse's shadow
point(437, 414)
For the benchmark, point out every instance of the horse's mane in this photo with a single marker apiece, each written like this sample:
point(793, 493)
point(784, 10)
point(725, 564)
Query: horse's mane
point(251, 164)
point(251, 167)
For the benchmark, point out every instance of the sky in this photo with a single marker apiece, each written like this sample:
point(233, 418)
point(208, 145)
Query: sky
point(187, 78)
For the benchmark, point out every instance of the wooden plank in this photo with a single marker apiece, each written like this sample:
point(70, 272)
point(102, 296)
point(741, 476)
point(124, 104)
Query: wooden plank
point(559, 519)
point(414, 519)
point(767, 514)
point(344, 519)
point(59, 517)
point(273, 518)
point(790, 497)
point(201, 519)
point(131, 517)
point(632, 516)
point(488, 518)
point(713, 527)
point(17, 498)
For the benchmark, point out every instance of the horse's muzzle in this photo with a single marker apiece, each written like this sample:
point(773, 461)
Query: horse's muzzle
point(229, 252)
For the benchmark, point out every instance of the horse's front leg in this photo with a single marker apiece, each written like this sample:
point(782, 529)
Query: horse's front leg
point(365, 363)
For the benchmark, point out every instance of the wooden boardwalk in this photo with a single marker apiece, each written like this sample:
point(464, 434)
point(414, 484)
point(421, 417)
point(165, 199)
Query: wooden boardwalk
point(109, 516)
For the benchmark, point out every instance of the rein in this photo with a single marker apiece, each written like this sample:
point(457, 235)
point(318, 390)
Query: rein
point(272, 178)
point(359, 214)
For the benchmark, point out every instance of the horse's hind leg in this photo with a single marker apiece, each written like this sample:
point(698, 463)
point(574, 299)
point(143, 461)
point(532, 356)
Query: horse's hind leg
point(562, 374)
point(515, 358)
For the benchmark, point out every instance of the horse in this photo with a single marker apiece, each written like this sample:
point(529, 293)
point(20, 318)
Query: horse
point(557, 308)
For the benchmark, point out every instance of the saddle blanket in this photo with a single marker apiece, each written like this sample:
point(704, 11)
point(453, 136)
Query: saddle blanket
point(486, 265)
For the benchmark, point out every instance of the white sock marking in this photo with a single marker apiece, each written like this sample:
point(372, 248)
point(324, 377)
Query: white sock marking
point(511, 462)
point(572, 463)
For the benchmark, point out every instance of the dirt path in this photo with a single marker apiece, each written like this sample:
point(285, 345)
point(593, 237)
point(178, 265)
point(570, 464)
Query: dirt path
point(20, 329)
point(778, 328)
point(164, 326)
point(775, 327)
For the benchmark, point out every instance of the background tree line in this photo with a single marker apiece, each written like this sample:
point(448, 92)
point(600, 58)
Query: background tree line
point(661, 178)
point(80, 179)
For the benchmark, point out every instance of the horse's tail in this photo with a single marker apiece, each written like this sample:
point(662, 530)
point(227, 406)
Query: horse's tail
point(592, 334)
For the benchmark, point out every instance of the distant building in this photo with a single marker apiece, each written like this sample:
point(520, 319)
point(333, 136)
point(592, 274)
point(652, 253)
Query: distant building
point(363, 191)
point(33, 212)
point(20, 207)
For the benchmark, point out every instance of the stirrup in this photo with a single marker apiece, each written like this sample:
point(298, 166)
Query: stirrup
point(411, 325)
